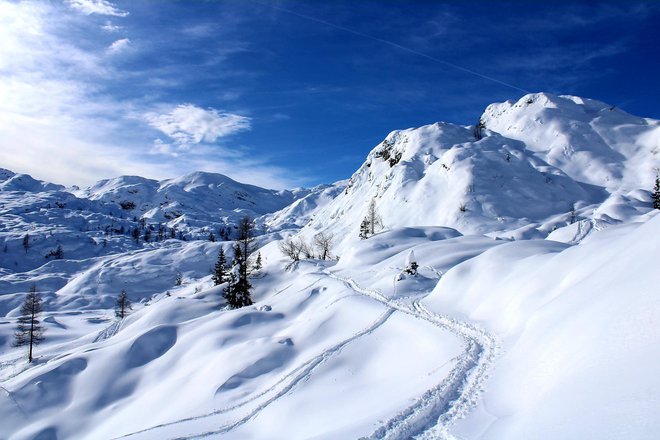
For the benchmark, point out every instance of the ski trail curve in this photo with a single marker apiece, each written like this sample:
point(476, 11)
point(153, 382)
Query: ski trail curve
point(438, 408)
point(279, 389)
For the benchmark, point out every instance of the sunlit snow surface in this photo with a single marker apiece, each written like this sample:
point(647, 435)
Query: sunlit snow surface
point(526, 320)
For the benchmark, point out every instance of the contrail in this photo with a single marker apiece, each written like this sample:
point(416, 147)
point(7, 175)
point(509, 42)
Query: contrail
point(396, 45)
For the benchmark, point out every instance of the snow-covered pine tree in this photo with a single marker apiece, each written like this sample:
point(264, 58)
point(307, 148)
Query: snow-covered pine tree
point(656, 193)
point(220, 270)
point(229, 292)
point(123, 305)
point(29, 330)
point(364, 229)
point(237, 291)
point(258, 264)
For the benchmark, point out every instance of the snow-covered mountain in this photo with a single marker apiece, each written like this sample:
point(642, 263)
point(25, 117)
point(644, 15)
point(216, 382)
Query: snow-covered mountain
point(510, 291)
point(589, 140)
point(198, 197)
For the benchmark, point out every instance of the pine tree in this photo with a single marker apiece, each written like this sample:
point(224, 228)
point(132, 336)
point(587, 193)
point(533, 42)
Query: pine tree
point(478, 134)
point(220, 271)
point(364, 229)
point(136, 235)
point(29, 330)
point(26, 242)
point(656, 193)
point(212, 237)
point(147, 235)
point(123, 305)
point(242, 249)
point(257, 264)
point(179, 279)
point(229, 292)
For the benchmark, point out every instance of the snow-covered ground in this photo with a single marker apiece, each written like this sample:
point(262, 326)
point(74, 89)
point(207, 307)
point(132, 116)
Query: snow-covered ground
point(533, 312)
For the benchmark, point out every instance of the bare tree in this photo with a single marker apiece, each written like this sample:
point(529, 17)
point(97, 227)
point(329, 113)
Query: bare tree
point(305, 248)
point(323, 243)
point(29, 330)
point(291, 248)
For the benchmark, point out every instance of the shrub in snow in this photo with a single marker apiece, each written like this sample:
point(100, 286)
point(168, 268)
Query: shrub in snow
point(411, 264)
point(127, 205)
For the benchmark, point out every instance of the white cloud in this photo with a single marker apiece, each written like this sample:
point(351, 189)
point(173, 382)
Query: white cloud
point(101, 7)
point(119, 45)
point(58, 124)
point(188, 124)
point(110, 27)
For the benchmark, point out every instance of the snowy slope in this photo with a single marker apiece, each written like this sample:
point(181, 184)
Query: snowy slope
point(441, 175)
point(589, 140)
point(301, 212)
point(580, 327)
point(492, 338)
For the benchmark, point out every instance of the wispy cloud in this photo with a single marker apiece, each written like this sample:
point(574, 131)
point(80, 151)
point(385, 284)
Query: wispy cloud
point(60, 120)
point(110, 27)
point(101, 7)
point(188, 124)
point(119, 45)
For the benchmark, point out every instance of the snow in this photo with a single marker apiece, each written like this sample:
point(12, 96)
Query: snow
point(532, 315)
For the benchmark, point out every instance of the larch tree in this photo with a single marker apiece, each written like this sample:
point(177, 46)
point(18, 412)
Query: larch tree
point(29, 331)
point(123, 305)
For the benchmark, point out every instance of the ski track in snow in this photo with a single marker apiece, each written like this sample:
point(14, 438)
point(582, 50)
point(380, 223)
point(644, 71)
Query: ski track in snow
point(430, 416)
point(279, 389)
point(108, 332)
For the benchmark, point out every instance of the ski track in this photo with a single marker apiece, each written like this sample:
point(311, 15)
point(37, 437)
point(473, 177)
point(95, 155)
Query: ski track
point(108, 332)
point(285, 385)
point(430, 416)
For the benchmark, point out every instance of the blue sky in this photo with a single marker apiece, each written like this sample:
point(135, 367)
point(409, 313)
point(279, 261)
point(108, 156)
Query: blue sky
point(290, 93)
